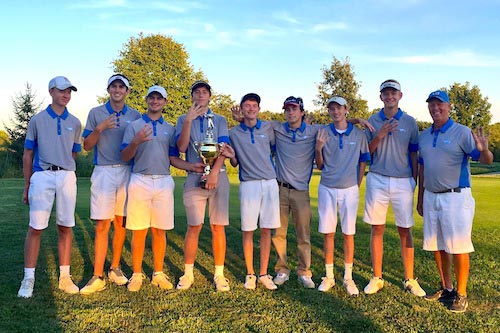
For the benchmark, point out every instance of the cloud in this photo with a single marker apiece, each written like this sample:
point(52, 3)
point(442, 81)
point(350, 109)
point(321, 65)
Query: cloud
point(321, 27)
point(457, 58)
point(99, 4)
point(284, 16)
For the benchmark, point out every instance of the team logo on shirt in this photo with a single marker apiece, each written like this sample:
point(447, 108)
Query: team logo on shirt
point(69, 128)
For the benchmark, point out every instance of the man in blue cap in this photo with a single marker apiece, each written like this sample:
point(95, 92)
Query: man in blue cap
point(444, 195)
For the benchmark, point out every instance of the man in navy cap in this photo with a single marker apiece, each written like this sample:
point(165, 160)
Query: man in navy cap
point(444, 195)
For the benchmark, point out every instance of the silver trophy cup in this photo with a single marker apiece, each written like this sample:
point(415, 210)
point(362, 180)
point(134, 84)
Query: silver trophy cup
point(208, 150)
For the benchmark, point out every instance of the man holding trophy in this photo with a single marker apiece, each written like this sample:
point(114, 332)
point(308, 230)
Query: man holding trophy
point(202, 135)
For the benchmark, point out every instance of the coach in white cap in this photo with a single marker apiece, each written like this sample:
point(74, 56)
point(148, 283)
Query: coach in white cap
point(103, 133)
point(52, 141)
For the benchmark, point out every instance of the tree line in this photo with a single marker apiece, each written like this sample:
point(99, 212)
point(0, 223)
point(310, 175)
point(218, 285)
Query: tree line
point(159, 59)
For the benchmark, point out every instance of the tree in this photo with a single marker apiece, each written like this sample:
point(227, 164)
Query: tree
point(470, 108)
point(494, 141)
point(221, 104)
point(24, 107)
point(157, 59)
point(338, 79)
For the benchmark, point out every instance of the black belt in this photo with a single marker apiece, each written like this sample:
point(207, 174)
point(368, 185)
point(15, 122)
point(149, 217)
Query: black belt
point(450, 190)
point(288, 186)
point(54, 168)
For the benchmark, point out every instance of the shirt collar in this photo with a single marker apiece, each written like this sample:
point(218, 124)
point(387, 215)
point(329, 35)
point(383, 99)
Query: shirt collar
point(348, 131)
point(445, 127)
point(203, 116)
point(245, 127)
point(53, 114)
point(146, 118)
point(302, 127)
point(397, 116)
point(111, 111)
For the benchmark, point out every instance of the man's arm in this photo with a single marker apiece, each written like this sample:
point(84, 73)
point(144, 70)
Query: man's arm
point(389, 126)
point(179, 163)
point(481, 140)
point(414, 165)
point(361, 172)
point(91, 140)
point(194, 111)
point(420, 201)
point(142, 136)
point(321, 139)
point(27, 172)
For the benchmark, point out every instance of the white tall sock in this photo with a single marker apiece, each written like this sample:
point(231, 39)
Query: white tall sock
point(348, 271)
point(29, 273)
point(64, 271)
point(219, 270)
point(188, 270)
point(329, 271)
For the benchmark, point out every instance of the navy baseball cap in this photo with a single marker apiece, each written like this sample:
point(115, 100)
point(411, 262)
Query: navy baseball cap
point(439, 94)
point(61, 83)
point(250, 96)
point(199, 84)
point(294, 101)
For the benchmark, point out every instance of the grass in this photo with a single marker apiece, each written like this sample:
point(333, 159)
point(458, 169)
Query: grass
point(289, 309)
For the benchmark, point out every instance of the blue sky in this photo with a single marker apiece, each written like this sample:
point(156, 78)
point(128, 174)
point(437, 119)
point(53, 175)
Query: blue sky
point(273, 48)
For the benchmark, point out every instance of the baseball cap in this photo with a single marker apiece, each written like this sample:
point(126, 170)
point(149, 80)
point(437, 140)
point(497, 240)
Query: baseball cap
point(61, 83)
point(294, 101)
point(199, 84)
point(119, 77)
point(250, 96)
point(439, 94)
point(390, 84)
point(157, 89)
point(337, 99)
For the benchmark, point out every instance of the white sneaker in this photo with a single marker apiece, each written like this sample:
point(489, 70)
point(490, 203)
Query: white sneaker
point(135, 282)
point(185, 282)
point(267, 281)
point(374, 285)
point(306, 281)
point(412, 286)
point(94, 284)
point(351, 288)
point(26, 290)
point(326, 284)
point(67, 285)
point(116, 275)
point(250, 282)
point(221, 283)
point(161, 280)
point(281, 278)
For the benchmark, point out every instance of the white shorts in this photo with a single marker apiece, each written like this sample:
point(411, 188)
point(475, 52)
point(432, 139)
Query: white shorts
point(448, 221)
point(380, 190)
point(259, 198)
point(44, 187)
point(346, 199)
point(150, 202)
point(109, 191)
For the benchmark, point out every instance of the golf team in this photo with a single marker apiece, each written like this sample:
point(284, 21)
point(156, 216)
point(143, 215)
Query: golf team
point(131, 186)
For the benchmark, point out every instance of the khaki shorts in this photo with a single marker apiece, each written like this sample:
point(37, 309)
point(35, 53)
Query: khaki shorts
point(45, 186)
point(195, 201)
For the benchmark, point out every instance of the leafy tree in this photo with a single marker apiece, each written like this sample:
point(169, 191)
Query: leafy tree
point(157, 59)
point(24, 107)
point(470, 108)
point(423, 125)
point(270, 116)
point(338, 79)
point(4, 140)
point(221, 104)
point(494, 140)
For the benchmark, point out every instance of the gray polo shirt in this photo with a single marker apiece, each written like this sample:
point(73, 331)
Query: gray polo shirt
point(198, 130)
point(152, 157)
point(107, 149)
point(392, 156)
point(295, 153)
point(445, 155)
point(253, 147)
point(342, 154)
point(53, 139)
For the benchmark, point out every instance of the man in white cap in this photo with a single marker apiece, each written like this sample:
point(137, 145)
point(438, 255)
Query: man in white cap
point(341, 155)
point(150, 141)
point(52, 142)
point(445, 198)
point(104, 131)
point(392, 179)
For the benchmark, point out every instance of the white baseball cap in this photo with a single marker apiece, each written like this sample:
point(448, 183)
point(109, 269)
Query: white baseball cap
point(390, 84)
point(119, 77)
point(61, 83)
point(158, 89)
point(337, 99)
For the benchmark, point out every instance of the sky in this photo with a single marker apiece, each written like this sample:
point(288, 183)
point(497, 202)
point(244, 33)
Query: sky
point(273, 48)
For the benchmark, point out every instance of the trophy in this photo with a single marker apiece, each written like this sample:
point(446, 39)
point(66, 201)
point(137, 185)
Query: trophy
point(208, 149)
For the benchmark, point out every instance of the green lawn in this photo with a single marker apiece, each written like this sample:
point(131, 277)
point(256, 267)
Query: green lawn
point(201, 309)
